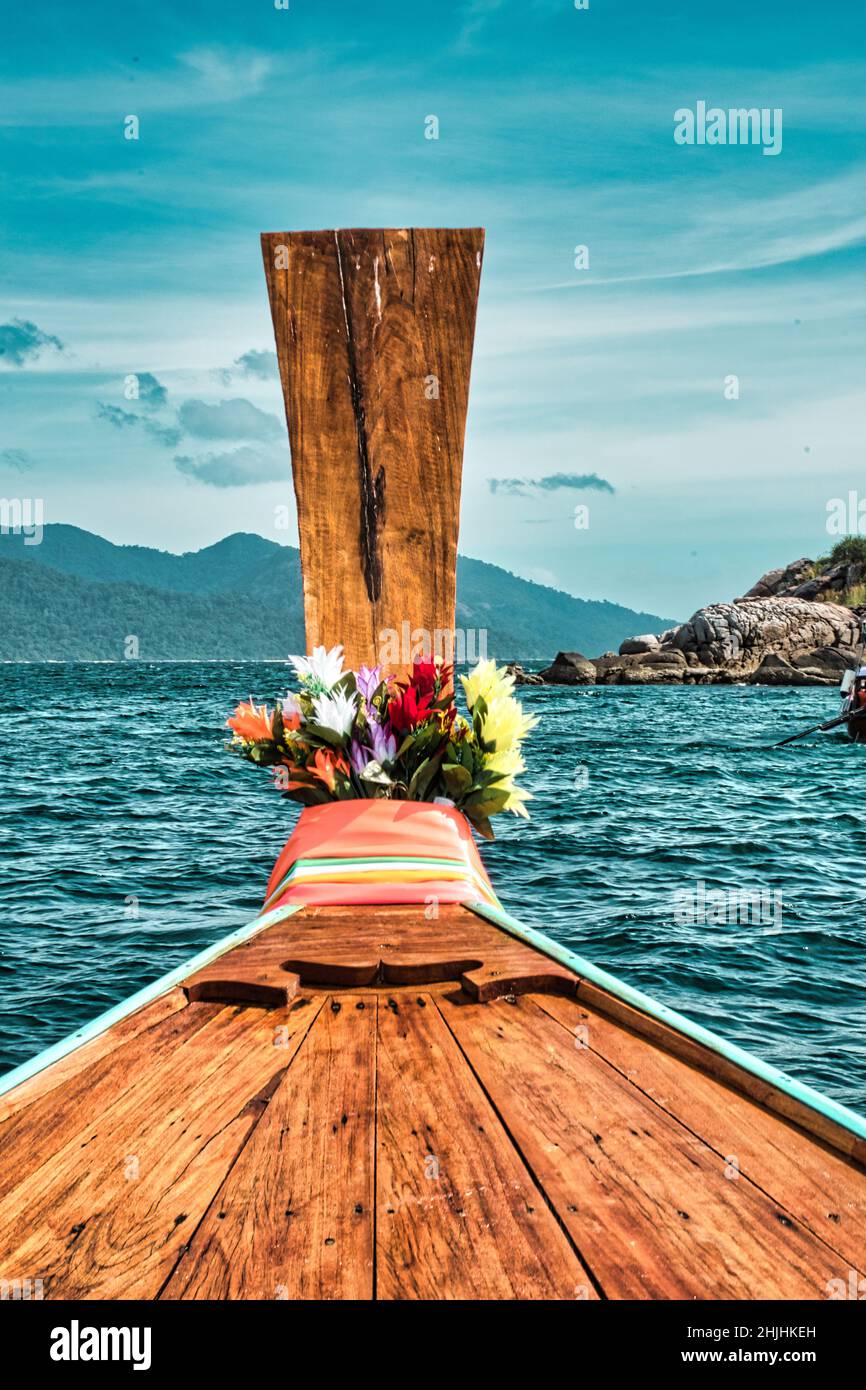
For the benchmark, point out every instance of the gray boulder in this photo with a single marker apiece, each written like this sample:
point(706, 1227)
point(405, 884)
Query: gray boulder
point(522, 677)
point(775, 670)
point(634, 646)
point(569, 668)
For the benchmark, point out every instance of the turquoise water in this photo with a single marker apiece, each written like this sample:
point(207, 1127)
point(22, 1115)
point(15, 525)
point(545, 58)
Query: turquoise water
point(129, 840)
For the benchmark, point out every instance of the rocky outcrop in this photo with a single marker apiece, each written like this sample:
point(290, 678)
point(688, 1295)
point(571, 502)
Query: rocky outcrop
point(782, 581)
point(787, 630)
point(522, 677)
point(766, 641)
point(813, 579)
point(636, 646)
point(569, 668)
point(739, 635)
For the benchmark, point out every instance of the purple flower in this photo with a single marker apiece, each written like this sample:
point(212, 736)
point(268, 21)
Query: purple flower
point(384, 744)
point(368, 679)
point(359, 756)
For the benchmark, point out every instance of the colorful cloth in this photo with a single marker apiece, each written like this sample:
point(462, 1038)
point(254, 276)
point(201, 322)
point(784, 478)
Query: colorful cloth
point(379, 851)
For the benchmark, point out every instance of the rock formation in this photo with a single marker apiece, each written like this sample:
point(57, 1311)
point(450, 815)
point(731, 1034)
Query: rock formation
point(569, 668)
point(787, 630)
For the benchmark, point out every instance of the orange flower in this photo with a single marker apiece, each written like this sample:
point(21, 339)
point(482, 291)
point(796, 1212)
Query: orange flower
point(251, 722)
point(326, 766)
point(284, 775)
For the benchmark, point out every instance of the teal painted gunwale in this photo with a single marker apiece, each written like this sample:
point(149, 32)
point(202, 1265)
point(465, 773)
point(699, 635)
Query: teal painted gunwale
point(137, 1001)
point(644, 1003)
point(797, 1090)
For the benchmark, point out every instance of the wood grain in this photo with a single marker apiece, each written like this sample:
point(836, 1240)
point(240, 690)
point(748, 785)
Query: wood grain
point(647, 1203)
point(33, 1135)
point(810, 1181)
point(714, 1064)
point(394, 945)
point(294, 1218)
point(457, 1213)
point(374, 333)
point(109, 1215)
point(66, 1067)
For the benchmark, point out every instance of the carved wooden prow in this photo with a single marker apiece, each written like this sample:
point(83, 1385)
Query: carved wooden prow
point(374, 332)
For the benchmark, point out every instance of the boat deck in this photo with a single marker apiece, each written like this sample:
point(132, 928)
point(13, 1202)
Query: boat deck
point(345, 1109)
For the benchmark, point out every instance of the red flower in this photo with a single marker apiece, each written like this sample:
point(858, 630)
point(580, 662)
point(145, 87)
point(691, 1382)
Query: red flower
point(406, 710)
point(430, 677)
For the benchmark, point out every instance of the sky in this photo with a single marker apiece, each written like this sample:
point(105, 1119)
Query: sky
point(695, 379)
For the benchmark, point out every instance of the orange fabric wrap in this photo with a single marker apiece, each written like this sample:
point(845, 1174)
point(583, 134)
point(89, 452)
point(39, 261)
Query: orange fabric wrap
point(376, 842)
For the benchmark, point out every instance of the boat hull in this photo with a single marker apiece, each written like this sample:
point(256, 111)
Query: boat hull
point(391, 1103)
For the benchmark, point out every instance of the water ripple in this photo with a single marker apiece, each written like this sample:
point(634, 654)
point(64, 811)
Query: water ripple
point(128, 841)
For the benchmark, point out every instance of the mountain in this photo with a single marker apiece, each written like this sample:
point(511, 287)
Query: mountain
point(77, 596)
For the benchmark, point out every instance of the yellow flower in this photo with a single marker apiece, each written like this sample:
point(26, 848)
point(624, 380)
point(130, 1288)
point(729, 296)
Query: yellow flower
point(505, 724)
point(506, 764)
point(487, 680)
point(509, 764)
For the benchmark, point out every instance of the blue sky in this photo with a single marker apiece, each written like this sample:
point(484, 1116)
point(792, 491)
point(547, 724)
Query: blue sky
point(123, 257)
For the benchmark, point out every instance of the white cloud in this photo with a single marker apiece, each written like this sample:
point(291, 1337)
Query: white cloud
point(232, 419)
point(238, 468)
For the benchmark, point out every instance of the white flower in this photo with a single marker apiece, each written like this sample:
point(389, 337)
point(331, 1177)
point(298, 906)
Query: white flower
point(292, 706)
point(336, 711)
point(322, 670)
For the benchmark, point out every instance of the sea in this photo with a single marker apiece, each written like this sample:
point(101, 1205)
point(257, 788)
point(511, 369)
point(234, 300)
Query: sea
point(669, 843)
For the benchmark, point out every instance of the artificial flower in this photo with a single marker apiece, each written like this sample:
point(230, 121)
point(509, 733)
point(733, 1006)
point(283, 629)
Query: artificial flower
point(504, 724)
point(326, 765)
point(293, 715)
point(406, 710)
point(321, 671)
point(336, 711)
point(251, 722)
point(384, 743)
point(508, 765)
point(411, 737)
point(368, 679)
point(359, 756)
point(487, 680)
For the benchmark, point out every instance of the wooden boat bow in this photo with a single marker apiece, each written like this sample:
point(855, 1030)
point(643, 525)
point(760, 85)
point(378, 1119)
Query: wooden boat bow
point(418, 1101)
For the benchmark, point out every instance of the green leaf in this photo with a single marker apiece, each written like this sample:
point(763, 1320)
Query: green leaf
point(482, 825)
point(347, 683)
point(329, 736)
point(457, 779)
point(308, 796)
point(487, 803)
point(423, 776)
point(264, 753)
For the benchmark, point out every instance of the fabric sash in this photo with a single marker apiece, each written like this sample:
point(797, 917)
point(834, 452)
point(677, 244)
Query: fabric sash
point(379, 851)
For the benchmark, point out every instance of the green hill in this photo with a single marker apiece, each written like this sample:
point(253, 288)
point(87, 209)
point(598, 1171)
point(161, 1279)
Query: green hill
point(77, 596)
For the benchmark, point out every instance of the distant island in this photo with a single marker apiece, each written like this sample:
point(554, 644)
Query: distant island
point(798, 625)
point(78, 597)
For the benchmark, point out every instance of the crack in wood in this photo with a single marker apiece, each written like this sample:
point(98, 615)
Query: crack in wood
point(372, 489)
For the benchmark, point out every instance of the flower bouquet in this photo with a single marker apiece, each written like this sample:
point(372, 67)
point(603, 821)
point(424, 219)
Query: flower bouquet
point(345, 735)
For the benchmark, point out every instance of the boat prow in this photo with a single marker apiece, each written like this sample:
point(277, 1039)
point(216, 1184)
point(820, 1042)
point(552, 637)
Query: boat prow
point(378, 1103)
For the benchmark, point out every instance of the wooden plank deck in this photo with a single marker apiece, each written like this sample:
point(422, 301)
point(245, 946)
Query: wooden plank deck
point(409, 1135)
